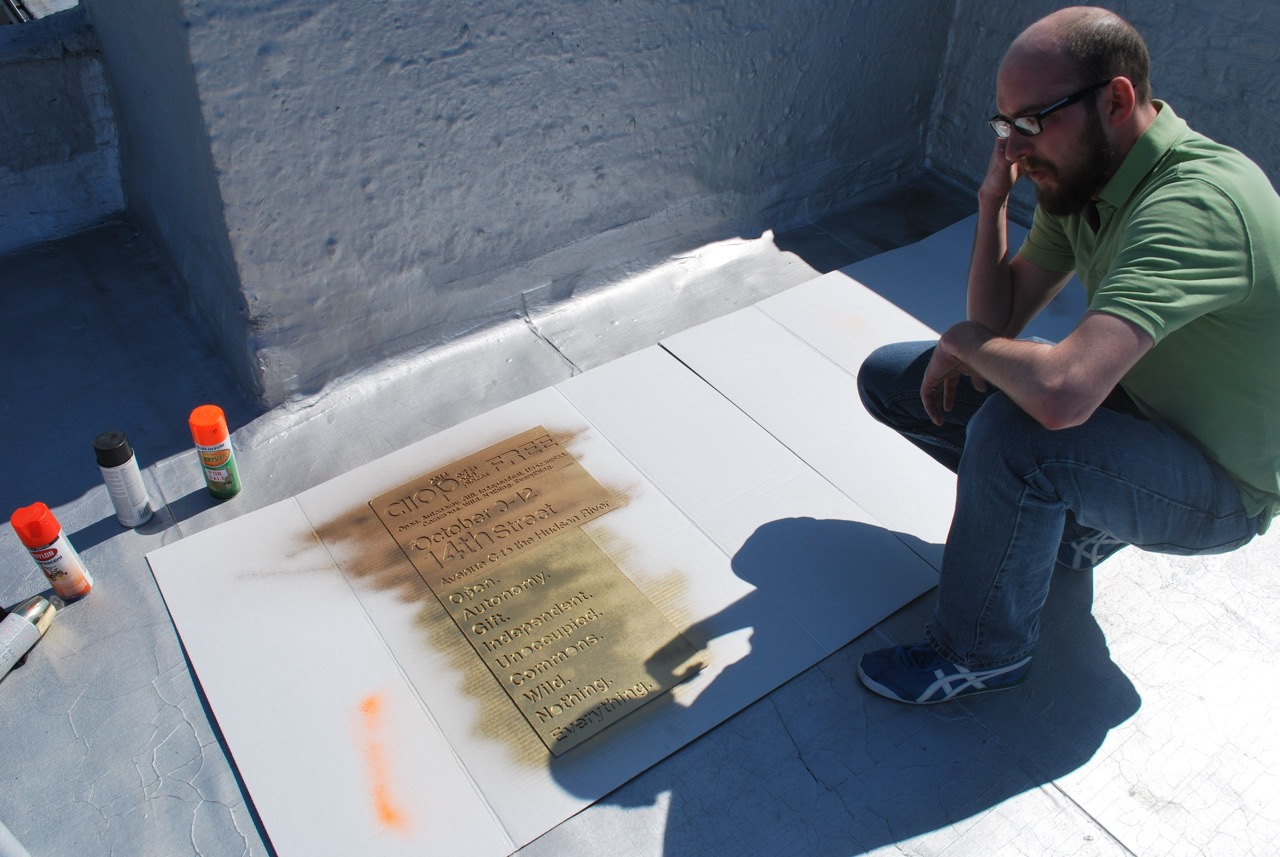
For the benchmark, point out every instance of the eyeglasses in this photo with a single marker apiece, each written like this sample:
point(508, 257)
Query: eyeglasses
point(1029, 126)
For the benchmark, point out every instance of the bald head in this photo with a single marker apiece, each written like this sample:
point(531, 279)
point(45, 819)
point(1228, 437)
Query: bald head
point(1085, 45)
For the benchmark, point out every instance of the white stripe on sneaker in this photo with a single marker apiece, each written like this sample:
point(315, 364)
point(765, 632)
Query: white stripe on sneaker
point(1092, 550)
point(964, 679)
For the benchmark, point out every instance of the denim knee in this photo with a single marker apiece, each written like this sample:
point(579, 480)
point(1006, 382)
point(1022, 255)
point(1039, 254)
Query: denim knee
point(890, 372)
point(1001, 430)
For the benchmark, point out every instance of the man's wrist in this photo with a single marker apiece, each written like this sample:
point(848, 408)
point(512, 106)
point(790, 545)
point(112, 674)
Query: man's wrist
point(964, 338)
point(993, 200)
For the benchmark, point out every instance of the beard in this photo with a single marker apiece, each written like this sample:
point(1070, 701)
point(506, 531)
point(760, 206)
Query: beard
point(1074, 185)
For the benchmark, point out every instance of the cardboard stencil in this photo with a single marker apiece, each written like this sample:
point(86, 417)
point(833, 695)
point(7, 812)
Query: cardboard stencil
point(497, 536)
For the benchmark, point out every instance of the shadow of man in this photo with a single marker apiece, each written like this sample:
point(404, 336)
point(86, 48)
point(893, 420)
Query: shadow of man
point(819, 766)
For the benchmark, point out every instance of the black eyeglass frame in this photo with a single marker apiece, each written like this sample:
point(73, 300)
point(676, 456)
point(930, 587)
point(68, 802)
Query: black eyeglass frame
point(1032, 121)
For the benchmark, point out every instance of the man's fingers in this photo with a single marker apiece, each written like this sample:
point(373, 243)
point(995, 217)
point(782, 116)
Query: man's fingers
point(929, 397)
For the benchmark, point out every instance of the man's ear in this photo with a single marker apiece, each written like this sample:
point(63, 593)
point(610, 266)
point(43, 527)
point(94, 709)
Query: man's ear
point(1121, 99)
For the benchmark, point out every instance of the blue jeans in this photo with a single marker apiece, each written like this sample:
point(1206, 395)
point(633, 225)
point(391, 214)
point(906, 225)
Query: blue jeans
point(1022, 491)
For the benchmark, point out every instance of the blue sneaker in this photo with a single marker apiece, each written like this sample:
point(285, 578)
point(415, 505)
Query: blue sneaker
point(1082, 554)
point(920, 676)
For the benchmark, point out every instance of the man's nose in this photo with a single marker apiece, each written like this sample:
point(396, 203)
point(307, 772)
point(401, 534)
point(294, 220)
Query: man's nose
point(1017, 146)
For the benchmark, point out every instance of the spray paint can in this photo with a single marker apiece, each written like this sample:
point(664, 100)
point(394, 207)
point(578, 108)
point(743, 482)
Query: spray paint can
point(217, 458)
point(22, 628)
point(44, 539)
point(119, 468)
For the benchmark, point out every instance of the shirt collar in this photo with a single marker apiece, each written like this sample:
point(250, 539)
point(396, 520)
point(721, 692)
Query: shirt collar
point(1159, 137)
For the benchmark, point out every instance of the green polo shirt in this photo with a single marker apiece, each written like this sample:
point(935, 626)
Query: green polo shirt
point(1189, 251)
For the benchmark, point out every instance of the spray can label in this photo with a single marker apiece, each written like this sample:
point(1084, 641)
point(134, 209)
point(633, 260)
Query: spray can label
point(220, 473)
point(64, 568)
point(128, 493)
point(17, 636)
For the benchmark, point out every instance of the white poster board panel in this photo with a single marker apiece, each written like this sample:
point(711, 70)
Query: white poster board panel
point(813, 408)
point(810, 550)
point(340, 754)
point(929, 280)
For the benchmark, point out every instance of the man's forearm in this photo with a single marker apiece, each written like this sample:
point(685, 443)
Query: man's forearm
point(1019, 368)
point(990, 290)
point(1059, 385)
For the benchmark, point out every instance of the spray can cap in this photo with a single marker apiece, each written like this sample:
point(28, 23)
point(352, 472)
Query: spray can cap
point(112, 448)
point(35, 525)
point(208, 425)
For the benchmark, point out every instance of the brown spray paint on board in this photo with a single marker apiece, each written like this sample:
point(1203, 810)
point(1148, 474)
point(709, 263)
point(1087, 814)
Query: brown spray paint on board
point(367, 552)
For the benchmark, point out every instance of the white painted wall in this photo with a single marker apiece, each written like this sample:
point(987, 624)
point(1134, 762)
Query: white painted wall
point(45, 8)
point(59, 155)
point(169, 181)
point(382, 168)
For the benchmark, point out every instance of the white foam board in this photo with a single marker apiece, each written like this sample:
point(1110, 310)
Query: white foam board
point(754, 556)
point(841, 319)
point(339, 753)
point(928, 279)
point(805, 394)
point(814, 551)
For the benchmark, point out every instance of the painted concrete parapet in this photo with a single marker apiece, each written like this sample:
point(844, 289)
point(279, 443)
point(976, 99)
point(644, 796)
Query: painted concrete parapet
point(59, 155)
point(166, 167)
point(45, 8)
point(339, 182)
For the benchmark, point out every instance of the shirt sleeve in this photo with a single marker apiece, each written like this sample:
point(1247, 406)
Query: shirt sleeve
point(1185, 253)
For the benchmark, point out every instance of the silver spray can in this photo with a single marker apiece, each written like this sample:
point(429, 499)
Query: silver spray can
point(119, 468)
point(22, 628)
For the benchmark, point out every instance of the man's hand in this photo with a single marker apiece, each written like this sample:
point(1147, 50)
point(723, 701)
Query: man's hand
point(938, 390)
point(1058, 386)
point(1001, 174)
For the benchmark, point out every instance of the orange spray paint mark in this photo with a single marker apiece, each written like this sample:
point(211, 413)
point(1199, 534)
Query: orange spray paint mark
point(387, 812)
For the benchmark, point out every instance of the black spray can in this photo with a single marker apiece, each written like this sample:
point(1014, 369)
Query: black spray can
point(119, 468)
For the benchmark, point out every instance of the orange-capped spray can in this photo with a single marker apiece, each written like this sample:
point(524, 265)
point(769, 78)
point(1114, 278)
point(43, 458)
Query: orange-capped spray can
point(217, 458)
point(44, 539)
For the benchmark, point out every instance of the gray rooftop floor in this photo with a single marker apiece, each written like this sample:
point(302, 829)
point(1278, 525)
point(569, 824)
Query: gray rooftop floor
point(1144, 728)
